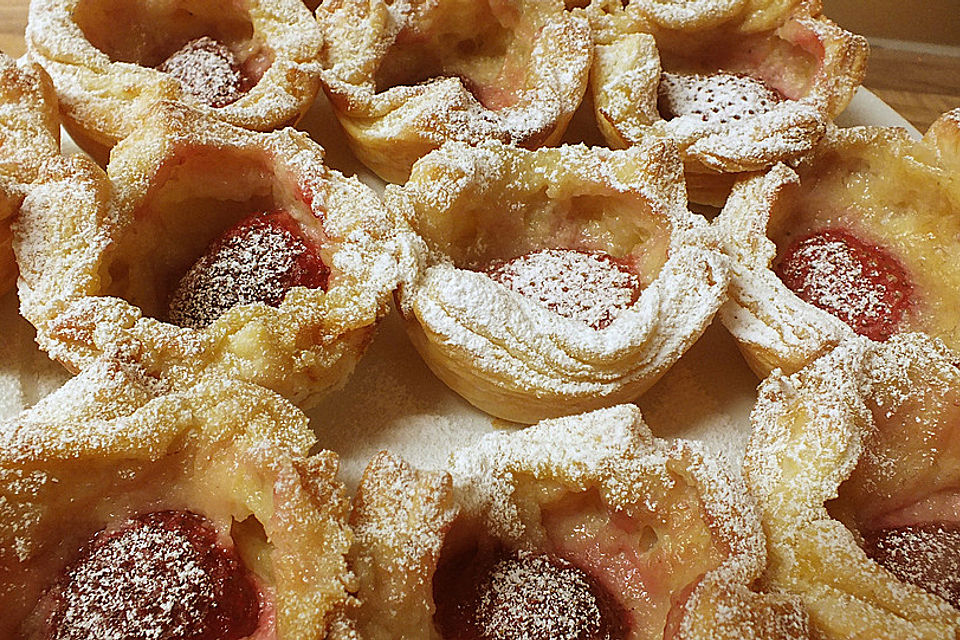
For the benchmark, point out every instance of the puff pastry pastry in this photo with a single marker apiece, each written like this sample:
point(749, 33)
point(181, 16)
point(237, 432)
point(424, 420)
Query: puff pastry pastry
point(403, 77)
point(131, 511)
point(862, 239)
point(854, 461)
point(738, 85)
point(251, 63)
point(580, 527)
point(29, 134)
point(558, 280)
point(208, 248)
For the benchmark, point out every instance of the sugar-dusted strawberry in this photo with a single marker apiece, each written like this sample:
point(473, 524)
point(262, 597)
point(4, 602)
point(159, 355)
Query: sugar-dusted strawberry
point(208, 71)
point(926, 555)
point(716, 98)
point(859, 283)
point(589, 286)
point(501, 595)
point(258, 260)
point(159, 575)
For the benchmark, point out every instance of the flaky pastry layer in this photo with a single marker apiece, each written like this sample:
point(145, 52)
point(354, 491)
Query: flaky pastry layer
point(876, 183)
point(693, 539)
point(105, 76)
point(814, 65)
point(29, 135)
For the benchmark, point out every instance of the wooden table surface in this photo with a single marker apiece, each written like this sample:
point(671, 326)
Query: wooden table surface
point(919, 85)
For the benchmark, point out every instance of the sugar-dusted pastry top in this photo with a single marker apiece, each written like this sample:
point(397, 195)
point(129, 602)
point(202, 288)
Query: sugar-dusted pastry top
point(404, 77)
point(131, 510)
point(580, 527)
point(252, 64)
point(554, 281)
point(858, 240)
point(29, 135)
point(855, 465)
point(206, 247)
point(738, 85)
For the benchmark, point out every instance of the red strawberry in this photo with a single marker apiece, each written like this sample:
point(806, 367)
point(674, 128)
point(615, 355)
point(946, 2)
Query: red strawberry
point(159, 575)
point(500, 595)
point(719, 97)
point(208, 71)
point(926, 555)
point(258, 260)
point(591, 287)
point(859, 283)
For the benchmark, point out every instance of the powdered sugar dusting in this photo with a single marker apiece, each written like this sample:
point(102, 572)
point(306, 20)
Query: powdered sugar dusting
point(730, 120)
point(105, 390)
point(613, 444)
point(717, 98)
point(506, 479)
point(545, 85)
point(529, 597)
point(29, 131)
point(506, 340)
point(824, 432)
point(912, 367)
point(832, 380)
point(90, 81)
point(208, 71)
point(589, 287)
point(248, 267)
point(859, 284)
point(837, 276)
point(927, 556)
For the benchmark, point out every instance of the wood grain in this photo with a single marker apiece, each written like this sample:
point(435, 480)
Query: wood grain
point(919, 86)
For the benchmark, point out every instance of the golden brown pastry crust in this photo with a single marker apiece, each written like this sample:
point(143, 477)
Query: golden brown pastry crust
point(514, 488)
point(815, 64)
point(404, 77)
point(114, 443)
point(847, 182)
point(105, 76)
point(100, 254)
point(29, 134)
point(504, 352)
point(812, 431)
point(399, 517)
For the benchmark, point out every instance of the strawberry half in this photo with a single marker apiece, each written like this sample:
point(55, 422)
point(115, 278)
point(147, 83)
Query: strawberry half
point(717, 98)
point(498, 595)
point(926, 555)
point(208, 71)
point(258, 260)
point(589, 286)
point(859, 283)
point(159, 575)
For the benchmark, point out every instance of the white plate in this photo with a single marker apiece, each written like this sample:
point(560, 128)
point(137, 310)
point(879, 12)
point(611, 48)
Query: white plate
point(394, 402)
